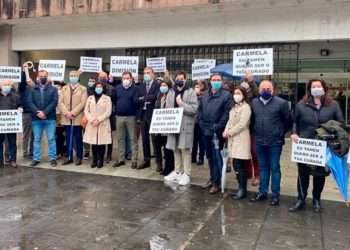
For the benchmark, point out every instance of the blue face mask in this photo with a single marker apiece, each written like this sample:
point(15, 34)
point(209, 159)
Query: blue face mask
point(6, 89)
point(265, 94)
point(216, 85)
point(98, 91)
point(73, 79)
point(164, 89)
point(147, 78)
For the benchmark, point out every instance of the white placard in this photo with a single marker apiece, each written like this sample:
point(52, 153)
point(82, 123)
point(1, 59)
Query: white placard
point(10, 73)
point(158, 64)
point(10, 121)
point(166, 121)
point(311, 152)
point(55, 68)
point(90, 64)
point(121, 64)
point(201, 70)
point(256, 61)
point(212, 62)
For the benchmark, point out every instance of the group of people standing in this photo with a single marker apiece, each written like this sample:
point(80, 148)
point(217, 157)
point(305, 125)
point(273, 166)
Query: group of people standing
point(250, 120)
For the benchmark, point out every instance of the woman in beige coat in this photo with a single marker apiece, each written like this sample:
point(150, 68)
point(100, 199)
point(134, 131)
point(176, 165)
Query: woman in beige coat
point(237, 133)
point(97, 111)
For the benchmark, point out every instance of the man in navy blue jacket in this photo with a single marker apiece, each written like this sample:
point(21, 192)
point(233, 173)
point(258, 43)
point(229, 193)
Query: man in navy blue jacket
point(148, 92)
point(42, 102)
point(125, 106)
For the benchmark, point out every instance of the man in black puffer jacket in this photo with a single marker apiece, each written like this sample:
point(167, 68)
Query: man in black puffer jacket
point(271, 120)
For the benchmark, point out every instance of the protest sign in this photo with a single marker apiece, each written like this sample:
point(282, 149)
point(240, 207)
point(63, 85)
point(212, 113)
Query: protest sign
point(211, 62)
point(166, 121)
point(256, 61)
point(308, 151)
point(55, 68)
point(120, 64)
point(10, 73)
point(201, 70)
point(158, 64)
point(10, 121)
point(90, 64)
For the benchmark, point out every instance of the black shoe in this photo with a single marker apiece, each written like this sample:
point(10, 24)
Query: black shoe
point(53, 163)
point(34, 163)
point(78, 162)
point(100, 164)
point(275, 202)
point(259, 197)
point(67, 162)
point(93, 164)
point(299, 205)
point(119, 164)
point(316, 205)
point(86, 155)
point(241, 194)
point(200, 162)
point(194, 161)
point(1, 163)
point(144, 165)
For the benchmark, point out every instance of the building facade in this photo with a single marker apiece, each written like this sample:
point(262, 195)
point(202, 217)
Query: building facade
point(311, 38)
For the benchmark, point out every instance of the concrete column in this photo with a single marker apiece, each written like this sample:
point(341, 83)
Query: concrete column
point(7, 56)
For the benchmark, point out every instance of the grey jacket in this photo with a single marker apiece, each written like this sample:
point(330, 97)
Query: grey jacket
point(184, 140)
point(270, 121)
point(307, 117)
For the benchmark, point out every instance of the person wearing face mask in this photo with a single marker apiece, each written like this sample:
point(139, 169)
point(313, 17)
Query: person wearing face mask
point(316, 108)
point(91, 86)
point(160, 140)
point(9, 100)
point(213, 114)
point(125, 106)
point(98, 132)
point(182, 96)
point(71, 105)
point(238, 135)
point(148, 91)
point(271, 120)
point(109, 83)
point(42, 101)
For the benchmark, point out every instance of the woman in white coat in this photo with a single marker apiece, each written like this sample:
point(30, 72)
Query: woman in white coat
point(237, 133)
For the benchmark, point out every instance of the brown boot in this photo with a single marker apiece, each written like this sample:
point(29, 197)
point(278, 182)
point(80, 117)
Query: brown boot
point(159, 167)
point(144, 165)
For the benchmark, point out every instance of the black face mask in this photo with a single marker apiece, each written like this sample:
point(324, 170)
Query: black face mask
point(43, 80)
point(179, 84)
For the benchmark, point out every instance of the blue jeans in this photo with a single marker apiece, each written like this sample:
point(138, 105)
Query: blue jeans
point(269, 165)
point(49, 126)
point(74, 140)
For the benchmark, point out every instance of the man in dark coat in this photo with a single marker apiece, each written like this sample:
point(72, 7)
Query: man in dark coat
point(271, 119)
point(148, 91)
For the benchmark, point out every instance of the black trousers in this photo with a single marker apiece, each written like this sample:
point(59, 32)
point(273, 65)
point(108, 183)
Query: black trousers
point(304, 173)
point(60, 141)
point(146, 142)
point(98, 152)
point(12, 147)
point(159, 145)
point(198, 142)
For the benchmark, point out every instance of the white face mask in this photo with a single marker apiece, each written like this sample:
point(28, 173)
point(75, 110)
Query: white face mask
point(317, 92)
point(126, 84)
point(237, 98)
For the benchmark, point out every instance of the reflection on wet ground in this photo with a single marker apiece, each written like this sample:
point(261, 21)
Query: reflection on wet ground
point(47, 209)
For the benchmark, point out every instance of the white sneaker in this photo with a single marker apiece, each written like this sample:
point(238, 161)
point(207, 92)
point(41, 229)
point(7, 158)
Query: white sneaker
point(185, 180)
point(173, 176)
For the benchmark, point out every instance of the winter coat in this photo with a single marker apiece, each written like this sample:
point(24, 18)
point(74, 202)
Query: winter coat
point(100, 135)
point(72, 100)
point(238, 129)
point(184, 140)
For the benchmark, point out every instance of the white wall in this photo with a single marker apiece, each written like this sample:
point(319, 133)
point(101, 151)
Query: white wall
point(256, 22)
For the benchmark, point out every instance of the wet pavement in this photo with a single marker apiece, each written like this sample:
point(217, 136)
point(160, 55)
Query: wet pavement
point(48, 209)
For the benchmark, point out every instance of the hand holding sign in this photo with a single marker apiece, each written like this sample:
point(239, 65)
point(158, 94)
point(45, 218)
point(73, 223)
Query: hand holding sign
point(294, 138)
